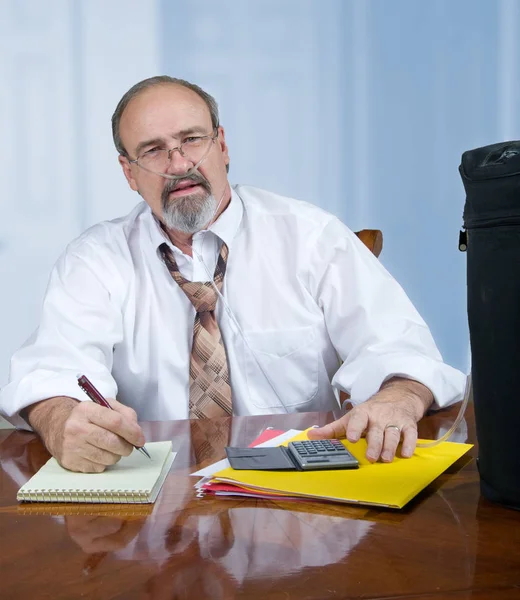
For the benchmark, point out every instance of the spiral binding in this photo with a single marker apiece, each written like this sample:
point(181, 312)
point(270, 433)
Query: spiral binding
point(88, 496)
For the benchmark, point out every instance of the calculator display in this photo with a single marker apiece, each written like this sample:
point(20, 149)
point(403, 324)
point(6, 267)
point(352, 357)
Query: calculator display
point(322, 454)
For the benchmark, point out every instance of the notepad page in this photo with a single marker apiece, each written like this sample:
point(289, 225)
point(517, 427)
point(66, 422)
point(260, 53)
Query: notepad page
point(162, 477)
point(131, 474)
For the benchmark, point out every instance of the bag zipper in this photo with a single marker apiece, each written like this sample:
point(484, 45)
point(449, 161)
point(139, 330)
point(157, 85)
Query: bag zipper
point(496, 222)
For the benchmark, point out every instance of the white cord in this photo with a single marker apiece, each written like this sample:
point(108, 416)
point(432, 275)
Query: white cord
point(462, 410)
point(230, 312)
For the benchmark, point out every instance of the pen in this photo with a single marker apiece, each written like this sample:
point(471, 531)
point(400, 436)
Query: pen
point(96, 397)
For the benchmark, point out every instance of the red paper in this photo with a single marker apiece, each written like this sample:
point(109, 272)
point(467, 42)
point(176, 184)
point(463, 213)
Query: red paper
point(265, 436)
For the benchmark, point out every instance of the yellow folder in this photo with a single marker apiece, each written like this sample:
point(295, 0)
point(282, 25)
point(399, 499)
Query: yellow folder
point(381, 484)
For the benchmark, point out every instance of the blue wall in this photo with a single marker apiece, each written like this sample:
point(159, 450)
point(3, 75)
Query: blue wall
point(363, 107)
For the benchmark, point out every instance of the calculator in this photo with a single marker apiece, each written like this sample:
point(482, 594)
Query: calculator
point(322, 454)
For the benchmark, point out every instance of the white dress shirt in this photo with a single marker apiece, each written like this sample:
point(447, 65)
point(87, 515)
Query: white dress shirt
point(300, 291)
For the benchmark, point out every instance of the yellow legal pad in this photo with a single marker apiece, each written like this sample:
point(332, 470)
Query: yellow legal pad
point(381, 484)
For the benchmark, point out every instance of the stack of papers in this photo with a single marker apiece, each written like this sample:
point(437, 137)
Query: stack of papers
point(389, 485)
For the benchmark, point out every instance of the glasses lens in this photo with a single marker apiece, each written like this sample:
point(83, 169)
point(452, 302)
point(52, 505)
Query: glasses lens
point(154, 160)
point(194, 147)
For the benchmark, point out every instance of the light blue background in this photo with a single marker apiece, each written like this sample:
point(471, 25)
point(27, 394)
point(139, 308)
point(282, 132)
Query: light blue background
point(360, 106)
point(363, 107)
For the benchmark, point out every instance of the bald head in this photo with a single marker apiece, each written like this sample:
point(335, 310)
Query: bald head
point(148, 84)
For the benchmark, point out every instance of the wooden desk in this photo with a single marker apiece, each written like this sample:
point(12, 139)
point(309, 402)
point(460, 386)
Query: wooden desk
point(447, 543)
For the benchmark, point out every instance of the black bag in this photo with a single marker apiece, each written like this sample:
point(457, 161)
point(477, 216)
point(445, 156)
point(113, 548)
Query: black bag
point(491, 178)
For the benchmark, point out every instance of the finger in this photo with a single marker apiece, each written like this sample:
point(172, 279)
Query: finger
point(100, 456)
point(126, 411)
point(357, 424)
point(80, 465)
point(337, 429)
point(88, 448)
point(107, 441)
point(115, 421)
point(409, 441)
point(375, 438)
point(80, 435)
point(392, 437)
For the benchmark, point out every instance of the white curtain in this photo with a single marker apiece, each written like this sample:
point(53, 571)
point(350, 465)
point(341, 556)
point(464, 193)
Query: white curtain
point(64, 64)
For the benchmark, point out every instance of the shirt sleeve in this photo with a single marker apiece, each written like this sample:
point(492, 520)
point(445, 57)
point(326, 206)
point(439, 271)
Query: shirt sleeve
point(377, 332)
point(79, 328)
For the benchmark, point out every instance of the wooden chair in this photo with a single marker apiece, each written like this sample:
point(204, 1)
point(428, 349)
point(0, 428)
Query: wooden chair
point(373, 240)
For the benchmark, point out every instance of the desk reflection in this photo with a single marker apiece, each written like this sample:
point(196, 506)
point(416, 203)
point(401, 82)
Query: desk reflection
point(189, 547)
point(210, 549)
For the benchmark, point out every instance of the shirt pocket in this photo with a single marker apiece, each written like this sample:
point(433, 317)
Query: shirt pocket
point(282, 367)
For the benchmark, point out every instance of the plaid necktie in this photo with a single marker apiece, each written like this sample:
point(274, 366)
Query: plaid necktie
point(210, 390)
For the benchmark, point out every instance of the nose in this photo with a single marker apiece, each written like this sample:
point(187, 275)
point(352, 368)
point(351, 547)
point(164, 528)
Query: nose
point(179, 164)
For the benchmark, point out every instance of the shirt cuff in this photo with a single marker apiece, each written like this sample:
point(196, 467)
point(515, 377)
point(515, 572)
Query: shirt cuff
point(40, 385)
point(446, 383)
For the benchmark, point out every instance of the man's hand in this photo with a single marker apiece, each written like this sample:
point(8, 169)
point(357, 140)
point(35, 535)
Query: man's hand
point(390, 414)
point(84, 436)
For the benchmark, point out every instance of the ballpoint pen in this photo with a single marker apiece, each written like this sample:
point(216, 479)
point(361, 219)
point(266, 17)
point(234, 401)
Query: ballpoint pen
point(96, 397)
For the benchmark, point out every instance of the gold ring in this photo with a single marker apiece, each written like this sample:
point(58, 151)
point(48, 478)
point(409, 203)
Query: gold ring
point(394, 427)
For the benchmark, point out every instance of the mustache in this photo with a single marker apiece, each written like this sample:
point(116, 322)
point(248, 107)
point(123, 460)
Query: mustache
point(194, 178)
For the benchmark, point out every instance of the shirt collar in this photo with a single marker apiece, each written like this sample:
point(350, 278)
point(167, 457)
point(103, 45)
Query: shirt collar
point(225, 227)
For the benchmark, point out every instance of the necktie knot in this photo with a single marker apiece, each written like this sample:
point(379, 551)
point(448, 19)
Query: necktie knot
point(202, 294)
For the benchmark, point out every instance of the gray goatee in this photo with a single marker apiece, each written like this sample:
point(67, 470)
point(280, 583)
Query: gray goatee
point(190, 213)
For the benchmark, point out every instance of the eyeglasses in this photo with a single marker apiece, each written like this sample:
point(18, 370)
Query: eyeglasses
point(157, 160)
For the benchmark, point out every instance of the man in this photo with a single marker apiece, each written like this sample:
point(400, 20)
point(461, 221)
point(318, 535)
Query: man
point(287, 290)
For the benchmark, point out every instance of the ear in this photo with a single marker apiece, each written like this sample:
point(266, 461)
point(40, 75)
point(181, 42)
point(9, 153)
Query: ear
point(127, 170)
point(223, 146)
